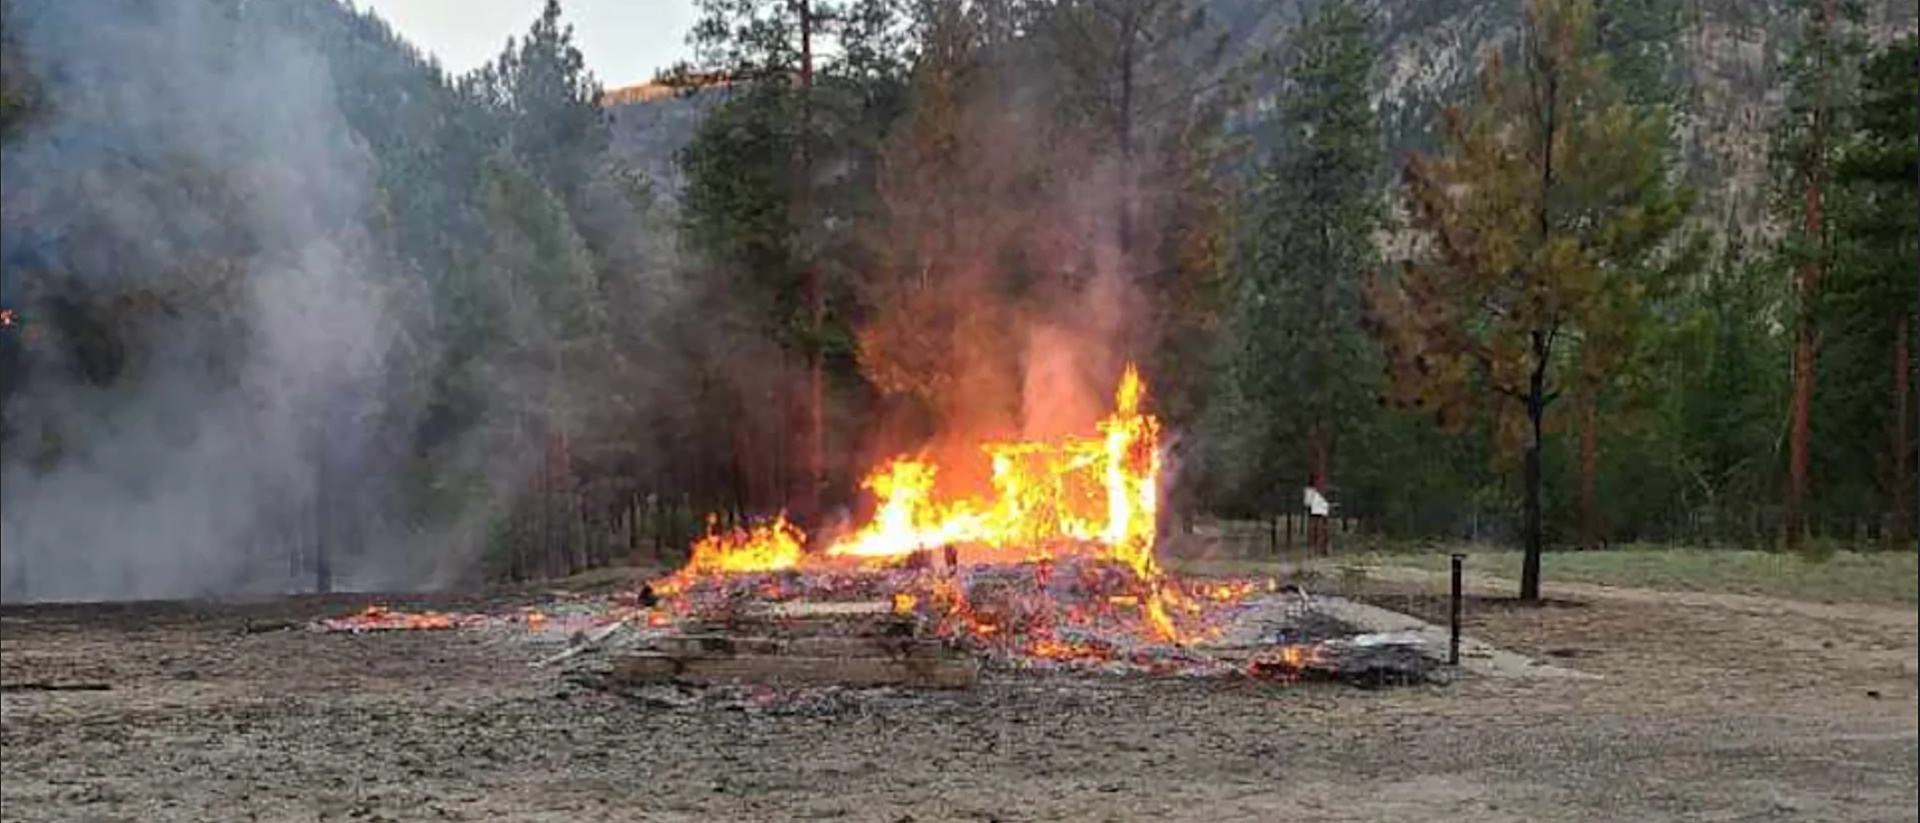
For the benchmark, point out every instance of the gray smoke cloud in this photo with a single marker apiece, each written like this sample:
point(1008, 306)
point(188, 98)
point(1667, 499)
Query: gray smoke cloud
point(180, 477)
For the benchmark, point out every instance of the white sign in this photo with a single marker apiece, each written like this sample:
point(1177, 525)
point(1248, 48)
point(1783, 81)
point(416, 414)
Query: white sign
point(1317, 505)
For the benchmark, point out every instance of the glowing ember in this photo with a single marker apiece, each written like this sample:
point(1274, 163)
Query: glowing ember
point(381, 618)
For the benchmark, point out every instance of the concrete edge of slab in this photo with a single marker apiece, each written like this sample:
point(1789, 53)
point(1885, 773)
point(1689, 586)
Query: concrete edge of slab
point(1476, 656)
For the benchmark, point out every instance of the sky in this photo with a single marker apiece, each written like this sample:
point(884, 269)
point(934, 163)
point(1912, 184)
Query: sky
point(624, 41)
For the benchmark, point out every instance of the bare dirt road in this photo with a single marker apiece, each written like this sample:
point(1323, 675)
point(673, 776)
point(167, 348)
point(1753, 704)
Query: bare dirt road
point(1702, 712)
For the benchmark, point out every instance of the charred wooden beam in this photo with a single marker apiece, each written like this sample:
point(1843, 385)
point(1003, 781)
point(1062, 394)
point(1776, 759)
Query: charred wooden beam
point(721, 645)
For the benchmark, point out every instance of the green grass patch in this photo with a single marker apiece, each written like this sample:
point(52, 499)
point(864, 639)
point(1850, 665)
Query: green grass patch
point(1888, 578)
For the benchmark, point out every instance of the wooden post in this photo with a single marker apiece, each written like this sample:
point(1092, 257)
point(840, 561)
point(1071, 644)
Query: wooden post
point(633, 526)
point(1453, 622)
point(682, 512)
point(513, 539)
point(659, 526)
point(291, 538)
point(1899, 469)
point(590, 544)
point(322, 512)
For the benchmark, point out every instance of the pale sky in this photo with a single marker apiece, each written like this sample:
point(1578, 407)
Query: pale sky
point(624, 41)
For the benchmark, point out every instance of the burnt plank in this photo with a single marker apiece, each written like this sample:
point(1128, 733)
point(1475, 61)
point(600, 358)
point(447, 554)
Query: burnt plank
point(728, 645)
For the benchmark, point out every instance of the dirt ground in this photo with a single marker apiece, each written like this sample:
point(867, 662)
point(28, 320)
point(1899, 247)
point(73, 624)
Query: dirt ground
point(1704, 711)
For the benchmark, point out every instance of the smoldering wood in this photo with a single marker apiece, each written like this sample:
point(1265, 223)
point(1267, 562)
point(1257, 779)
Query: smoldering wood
point(1365, 661)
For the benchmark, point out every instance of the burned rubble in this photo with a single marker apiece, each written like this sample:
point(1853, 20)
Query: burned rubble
point(1052, 569)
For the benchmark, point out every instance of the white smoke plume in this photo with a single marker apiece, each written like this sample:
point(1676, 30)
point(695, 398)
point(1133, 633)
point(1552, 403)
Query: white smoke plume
point(189, 473)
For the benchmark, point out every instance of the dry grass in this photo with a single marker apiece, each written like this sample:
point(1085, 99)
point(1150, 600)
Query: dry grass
point(1884, 578)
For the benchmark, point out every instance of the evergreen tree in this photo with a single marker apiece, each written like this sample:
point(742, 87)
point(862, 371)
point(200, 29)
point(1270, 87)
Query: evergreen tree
point(1729, 389)
point(1543, 220)
point(548, 103)
point(1867, 310)
point(1820, 71)
point(1300, 365)
point(807, 108)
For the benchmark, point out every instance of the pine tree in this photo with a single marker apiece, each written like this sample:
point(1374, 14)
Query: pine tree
point(1136, 73)
point(937, 190)
point(1804, 154)
point(823, 110)
point(1296, 373)
point(1730, 390)
point(548, 101)
point(1543, 222)
point(1867, 315)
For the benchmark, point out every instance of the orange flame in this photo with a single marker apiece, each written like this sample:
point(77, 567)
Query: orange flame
point(765, 547)
point(1101, 490)
point(381, 617)
point(1096, 495)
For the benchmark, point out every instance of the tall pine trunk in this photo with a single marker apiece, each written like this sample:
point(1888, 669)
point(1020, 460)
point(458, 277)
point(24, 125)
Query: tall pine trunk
point(1322, 480)
point(806, 505)
point(1125, 128)
point(322, 524)
point(1899, 466)
point(1589, 466)
point(1807, 289)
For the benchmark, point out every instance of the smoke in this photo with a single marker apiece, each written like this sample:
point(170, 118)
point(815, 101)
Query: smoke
point(1006, 303)
point(233, 378)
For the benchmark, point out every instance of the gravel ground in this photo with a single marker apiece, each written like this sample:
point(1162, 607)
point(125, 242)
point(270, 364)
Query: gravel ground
point(1702, 713)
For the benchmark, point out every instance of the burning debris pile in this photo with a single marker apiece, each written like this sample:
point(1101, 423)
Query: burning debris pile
point(1055, 561)
point(1053, 567)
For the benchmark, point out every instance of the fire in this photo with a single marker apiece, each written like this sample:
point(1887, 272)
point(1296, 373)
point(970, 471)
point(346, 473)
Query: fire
point(766, 547)
point(1092, 495)
point(381, 618)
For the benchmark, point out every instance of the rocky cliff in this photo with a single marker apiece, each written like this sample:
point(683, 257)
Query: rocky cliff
point(1729, 69)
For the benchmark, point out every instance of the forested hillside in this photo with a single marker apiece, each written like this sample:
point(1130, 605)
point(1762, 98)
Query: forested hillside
point(288, 305)
point(282, 291)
